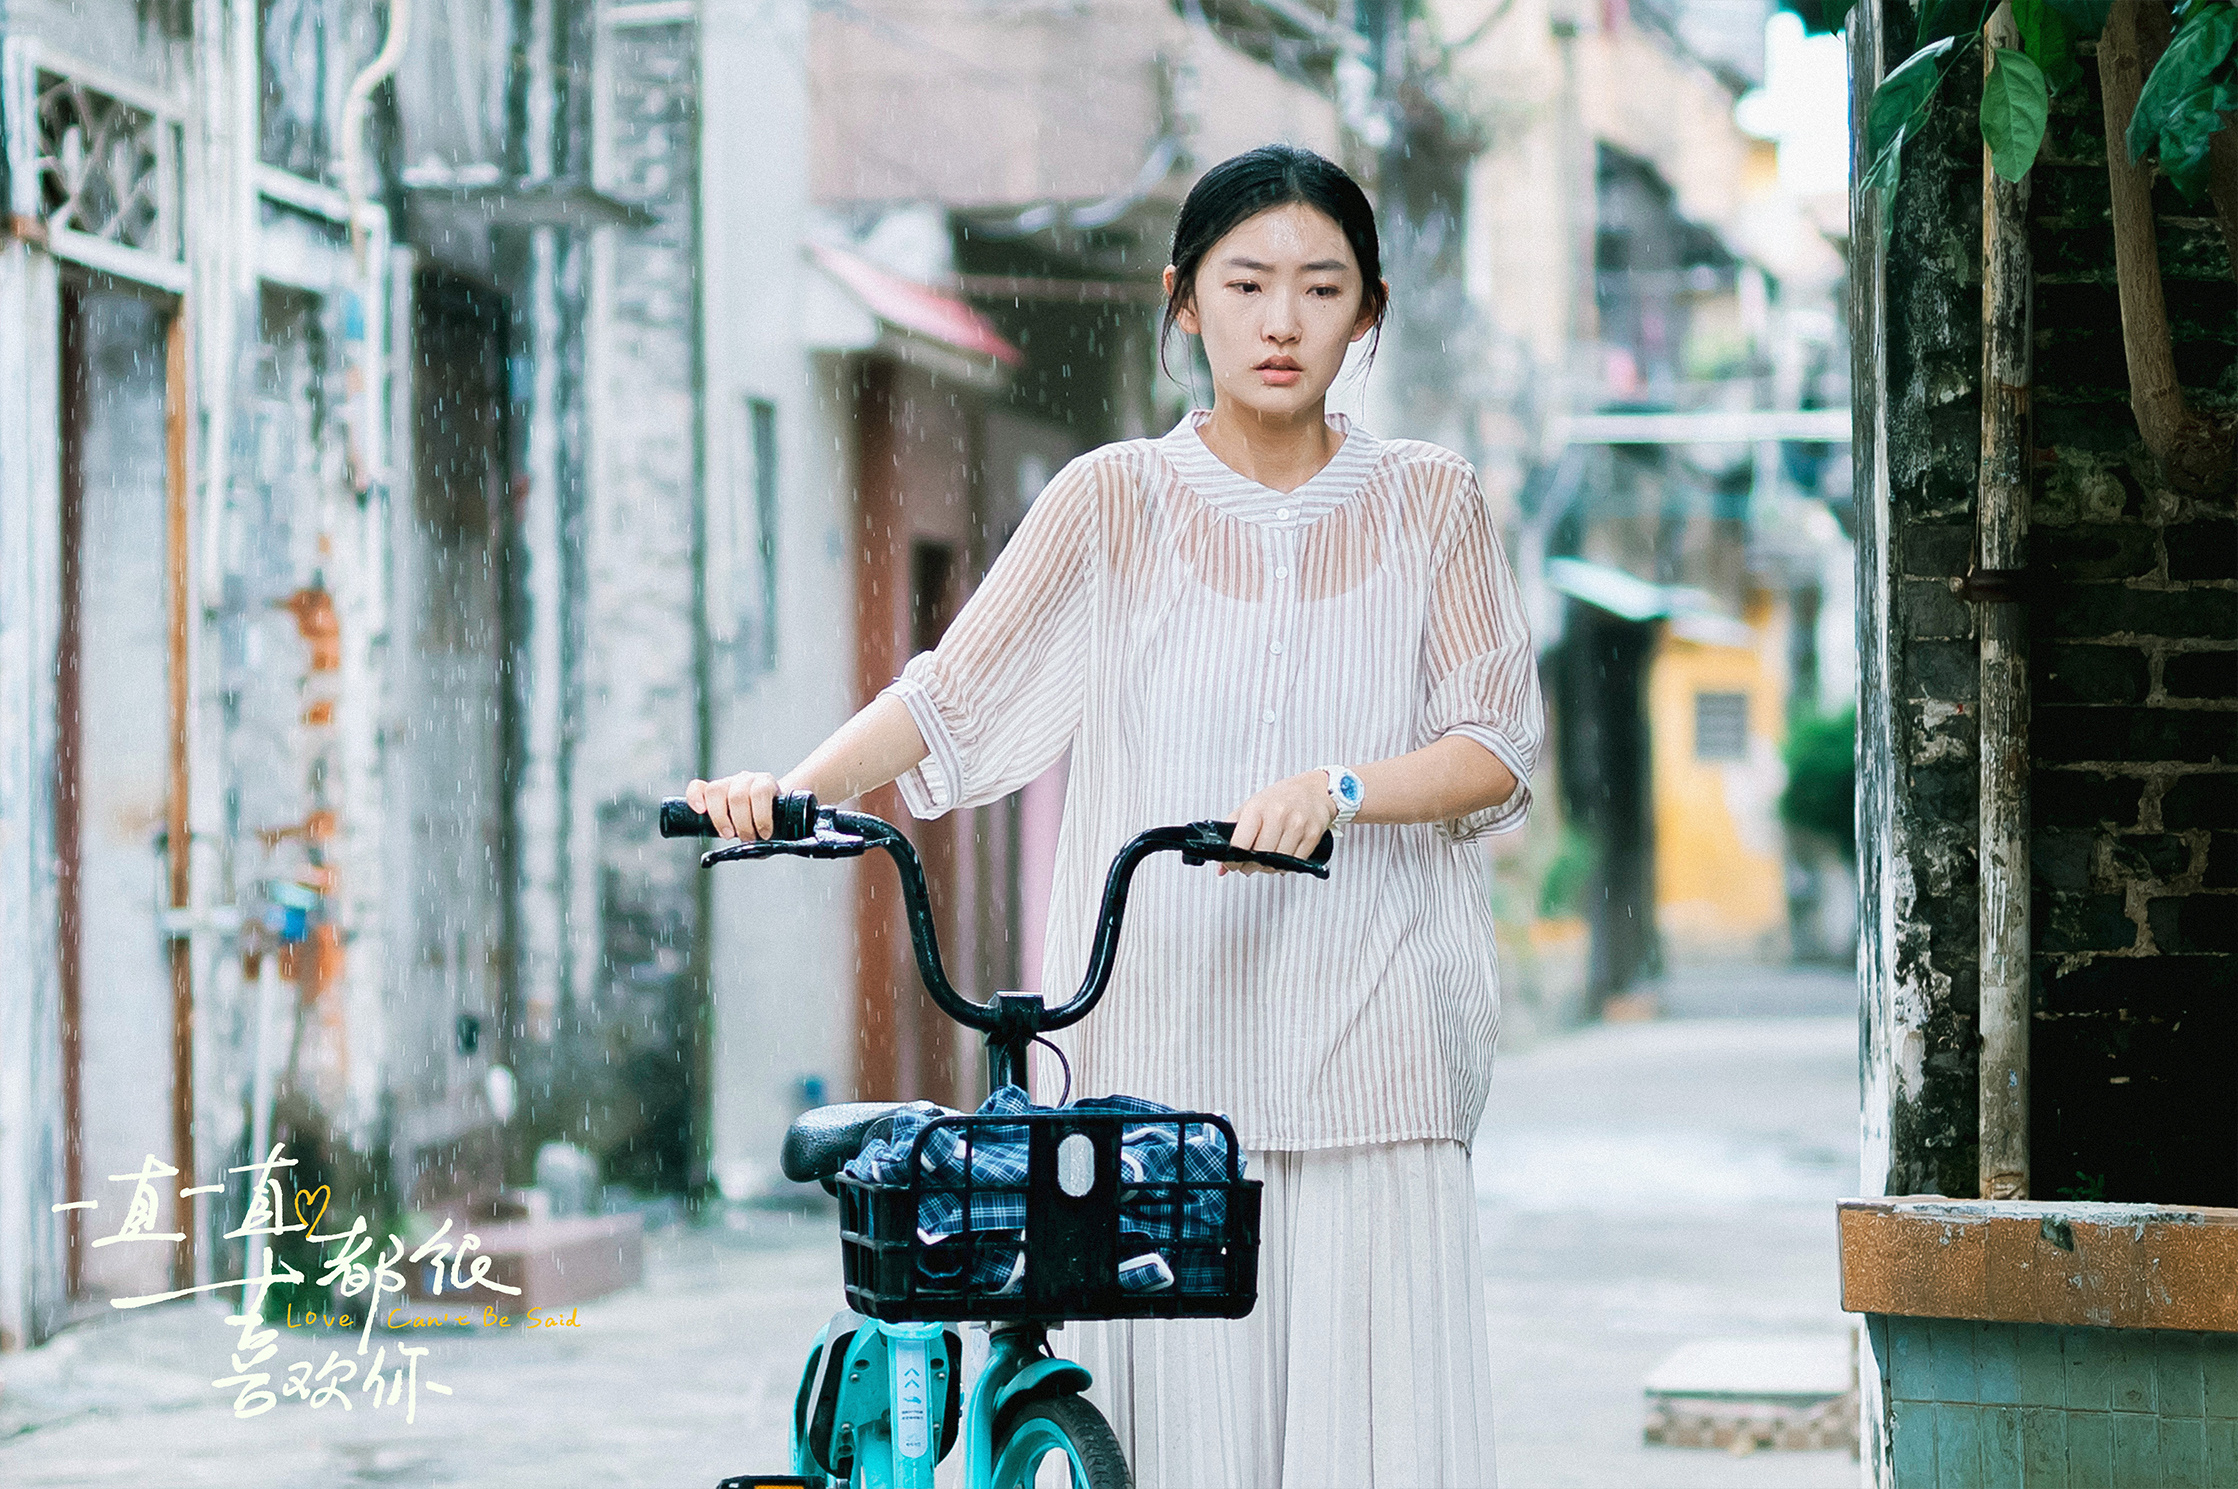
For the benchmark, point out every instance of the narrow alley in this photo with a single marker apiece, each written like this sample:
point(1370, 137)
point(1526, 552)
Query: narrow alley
point(1644, 1186)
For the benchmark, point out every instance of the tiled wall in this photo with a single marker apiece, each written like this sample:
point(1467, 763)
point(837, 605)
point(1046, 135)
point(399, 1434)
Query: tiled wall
point(2001, 1406)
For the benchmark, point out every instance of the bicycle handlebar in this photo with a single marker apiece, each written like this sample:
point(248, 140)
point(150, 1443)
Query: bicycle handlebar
point(805, 830)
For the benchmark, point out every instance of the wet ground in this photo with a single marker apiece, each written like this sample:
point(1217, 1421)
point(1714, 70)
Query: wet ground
point(1644, 1185)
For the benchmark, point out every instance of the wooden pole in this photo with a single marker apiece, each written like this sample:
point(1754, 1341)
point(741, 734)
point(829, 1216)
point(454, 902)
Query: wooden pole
point(69, 840)
point(2001, 518)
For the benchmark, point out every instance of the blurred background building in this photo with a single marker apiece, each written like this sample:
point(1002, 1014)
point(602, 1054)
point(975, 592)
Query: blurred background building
point(431, 431)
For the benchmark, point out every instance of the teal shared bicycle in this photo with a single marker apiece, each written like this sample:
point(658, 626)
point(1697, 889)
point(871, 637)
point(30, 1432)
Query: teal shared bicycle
point(1014, 1218)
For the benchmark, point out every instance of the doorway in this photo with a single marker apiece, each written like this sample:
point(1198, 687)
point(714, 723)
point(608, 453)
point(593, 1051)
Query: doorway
point(1600, 679)
point(453, 866)
point(120, 765)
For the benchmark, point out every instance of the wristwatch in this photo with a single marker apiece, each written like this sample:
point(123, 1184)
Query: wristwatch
point(1346, 790)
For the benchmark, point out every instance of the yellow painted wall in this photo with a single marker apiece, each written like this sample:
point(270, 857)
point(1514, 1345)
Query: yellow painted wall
point(1720, 887)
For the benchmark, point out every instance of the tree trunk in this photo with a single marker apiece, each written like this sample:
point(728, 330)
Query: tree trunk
point(2193, 452)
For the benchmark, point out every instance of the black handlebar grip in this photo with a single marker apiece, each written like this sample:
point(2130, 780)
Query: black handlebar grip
point(1214, 845)
point(794, 818)
point(678, 820)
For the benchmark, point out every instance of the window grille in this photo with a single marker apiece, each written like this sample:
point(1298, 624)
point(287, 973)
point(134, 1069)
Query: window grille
point(97, 162)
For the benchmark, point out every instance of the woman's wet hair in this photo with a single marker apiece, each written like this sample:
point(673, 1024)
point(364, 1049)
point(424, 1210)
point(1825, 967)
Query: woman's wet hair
point(1243, 186)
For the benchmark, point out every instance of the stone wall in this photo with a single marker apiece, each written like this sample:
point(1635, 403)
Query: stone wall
point(643, 1069)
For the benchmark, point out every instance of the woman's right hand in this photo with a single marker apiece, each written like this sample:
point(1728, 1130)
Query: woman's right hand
point(741, 806)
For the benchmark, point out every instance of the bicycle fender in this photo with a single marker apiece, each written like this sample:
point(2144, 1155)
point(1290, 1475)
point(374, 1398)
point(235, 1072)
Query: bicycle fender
point(796, 1426)
point(816, 1408)
point(1042, 1378)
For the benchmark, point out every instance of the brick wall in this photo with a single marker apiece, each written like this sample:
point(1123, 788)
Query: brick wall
point(2134, 671)
point(1995, 1406)
point(2134, 636)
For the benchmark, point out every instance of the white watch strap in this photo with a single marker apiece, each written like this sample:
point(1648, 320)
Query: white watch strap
point(1346, 811)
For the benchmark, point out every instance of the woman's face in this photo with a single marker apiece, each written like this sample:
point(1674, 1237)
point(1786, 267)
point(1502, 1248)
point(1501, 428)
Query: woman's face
point(1277, 301)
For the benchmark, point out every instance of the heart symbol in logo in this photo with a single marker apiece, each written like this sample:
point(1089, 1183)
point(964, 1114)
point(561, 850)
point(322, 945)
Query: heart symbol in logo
point(322, 1194)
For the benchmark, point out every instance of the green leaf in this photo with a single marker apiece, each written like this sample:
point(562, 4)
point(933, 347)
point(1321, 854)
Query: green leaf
point(2015, 104)
point(1901, 100)
point(1834, 12)
point(1820, 17)
point(2187, 96)
point(2084, 18)
point(2201, 45)
point(2045, 37)
point(1948, 18)
point(2183, 147)
point(1886, 167)
point(1893, 115)
point(1881, 178)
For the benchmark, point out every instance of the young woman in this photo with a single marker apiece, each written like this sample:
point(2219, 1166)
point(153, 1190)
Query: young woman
point(1268, 616)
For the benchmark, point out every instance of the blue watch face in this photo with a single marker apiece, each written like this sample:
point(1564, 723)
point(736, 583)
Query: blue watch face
point(1348, 788)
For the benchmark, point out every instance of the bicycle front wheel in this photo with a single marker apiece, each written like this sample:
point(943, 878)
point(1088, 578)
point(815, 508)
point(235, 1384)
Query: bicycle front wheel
point(1060, 1442)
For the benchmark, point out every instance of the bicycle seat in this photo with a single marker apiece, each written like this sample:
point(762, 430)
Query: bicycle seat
point(821, 1140)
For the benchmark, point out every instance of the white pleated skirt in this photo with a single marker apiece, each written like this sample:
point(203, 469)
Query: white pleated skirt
point(1366, 1364)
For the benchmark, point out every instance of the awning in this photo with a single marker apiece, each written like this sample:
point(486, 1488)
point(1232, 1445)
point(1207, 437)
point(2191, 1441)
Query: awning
point(917, 309)
point(1691, 612)
point(556, 203)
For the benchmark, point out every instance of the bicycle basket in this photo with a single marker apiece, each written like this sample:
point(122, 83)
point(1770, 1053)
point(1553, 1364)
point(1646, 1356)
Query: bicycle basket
point(1069, 1214)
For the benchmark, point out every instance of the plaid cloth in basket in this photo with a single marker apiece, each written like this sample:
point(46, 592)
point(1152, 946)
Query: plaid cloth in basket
point(987, 1245)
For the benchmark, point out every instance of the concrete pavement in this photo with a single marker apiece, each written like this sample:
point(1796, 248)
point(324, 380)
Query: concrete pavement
point(1643, 1185)
point(677, 1382)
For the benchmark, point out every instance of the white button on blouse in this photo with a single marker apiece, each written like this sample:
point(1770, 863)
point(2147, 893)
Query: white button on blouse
point(1125, 622)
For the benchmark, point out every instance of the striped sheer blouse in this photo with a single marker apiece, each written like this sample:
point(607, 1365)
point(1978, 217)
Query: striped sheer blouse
point(1193, 636)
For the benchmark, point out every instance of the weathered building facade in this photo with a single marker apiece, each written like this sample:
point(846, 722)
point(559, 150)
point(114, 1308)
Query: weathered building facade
point(445, 436)
point(358, 420)
point(2086, 1264)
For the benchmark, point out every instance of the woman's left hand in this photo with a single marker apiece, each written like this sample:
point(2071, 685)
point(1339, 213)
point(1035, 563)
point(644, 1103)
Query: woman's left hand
point(1288, 817)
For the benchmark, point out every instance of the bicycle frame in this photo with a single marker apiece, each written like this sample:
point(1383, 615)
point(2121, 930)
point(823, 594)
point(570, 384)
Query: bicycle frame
point(887, 1417)
point(890, 1405)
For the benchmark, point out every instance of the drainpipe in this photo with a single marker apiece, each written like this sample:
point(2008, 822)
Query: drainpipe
point(354, 104)
point(260, 1082)
point(178, 839)
point(1994, 587)
point(364, 597)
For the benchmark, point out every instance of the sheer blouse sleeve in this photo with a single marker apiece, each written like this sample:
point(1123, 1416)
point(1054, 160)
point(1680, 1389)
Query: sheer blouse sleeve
point(999, 699)
point(1482, 669)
